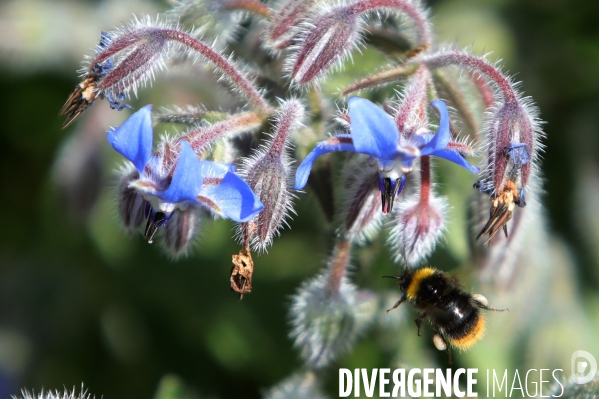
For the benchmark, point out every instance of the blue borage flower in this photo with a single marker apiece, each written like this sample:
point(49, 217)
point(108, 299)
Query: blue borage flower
point(375, 133)
point(187, 181)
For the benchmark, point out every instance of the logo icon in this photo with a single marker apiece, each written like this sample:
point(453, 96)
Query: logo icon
point(581, 366)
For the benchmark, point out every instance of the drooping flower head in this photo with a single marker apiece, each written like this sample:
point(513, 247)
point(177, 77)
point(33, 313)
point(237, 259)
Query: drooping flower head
point(375, 133)
point(131, 56)
point(175, 178)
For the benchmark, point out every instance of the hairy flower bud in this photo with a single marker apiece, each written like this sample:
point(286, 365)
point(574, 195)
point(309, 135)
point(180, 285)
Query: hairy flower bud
point(131, 56)
point(267, 172)
point(132, 207)
point(283, 26)
point(329, 313)
point(512, 134)
point(332, 36)
point(511, 137)
point(181, 230)
point(325, 41)
point(325, 324)
point(417, 226)
point(363, 216)
point(300, 385)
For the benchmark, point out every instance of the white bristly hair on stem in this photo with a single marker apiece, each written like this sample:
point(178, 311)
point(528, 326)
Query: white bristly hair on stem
point(268, 173)
point(141, 48)
point(83, 394)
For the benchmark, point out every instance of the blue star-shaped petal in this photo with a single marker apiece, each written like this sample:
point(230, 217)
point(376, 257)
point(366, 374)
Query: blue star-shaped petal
point(374, 132)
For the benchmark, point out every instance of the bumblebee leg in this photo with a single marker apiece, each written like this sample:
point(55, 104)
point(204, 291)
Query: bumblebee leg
point(441, 344)
point(448, 350)
point(418, 322)
point(482, 302)
point(494, 309)
point(402, 300)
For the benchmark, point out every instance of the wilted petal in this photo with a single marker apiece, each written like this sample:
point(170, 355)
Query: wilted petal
point(133, 139)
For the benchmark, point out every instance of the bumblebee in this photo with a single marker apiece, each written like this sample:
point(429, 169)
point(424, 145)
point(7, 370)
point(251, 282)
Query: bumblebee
point(453, 313)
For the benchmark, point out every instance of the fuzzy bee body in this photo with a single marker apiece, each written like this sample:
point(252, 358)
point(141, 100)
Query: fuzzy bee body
point(453, 313)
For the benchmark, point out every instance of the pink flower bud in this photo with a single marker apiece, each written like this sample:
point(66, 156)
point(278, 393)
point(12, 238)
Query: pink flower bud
point(182, 229)
point(326, 41)
point(285, 22)
point(267, 172)
point(417, 227)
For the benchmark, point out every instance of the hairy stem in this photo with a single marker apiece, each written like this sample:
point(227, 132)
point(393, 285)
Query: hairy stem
point(391, 75)
point(425, 180)
point(338, 266)
point(204, 136)
point(239, 80)
point(477, 63)
point(418, 17)
point(253, 6)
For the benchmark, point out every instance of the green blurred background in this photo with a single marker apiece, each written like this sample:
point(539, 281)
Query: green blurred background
point(80, 301)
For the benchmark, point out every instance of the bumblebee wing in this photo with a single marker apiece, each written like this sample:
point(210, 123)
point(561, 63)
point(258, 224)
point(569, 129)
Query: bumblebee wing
point(500, 215)
point(79, 100)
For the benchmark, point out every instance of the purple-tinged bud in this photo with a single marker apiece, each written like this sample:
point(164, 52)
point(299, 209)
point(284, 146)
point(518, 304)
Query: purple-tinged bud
point(284, 25)
point(132, 207)
point(131, 56)
point(267, 172)
point(511, 136)
point(412, 114)
point(329, 313)
point(181, 230)
point(417, 228)
point(331, 37)
point(419, 221)
point(512, 132)
point(300, 385)
point(362, 217)
point(327, 40)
